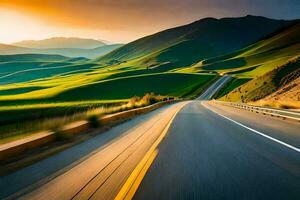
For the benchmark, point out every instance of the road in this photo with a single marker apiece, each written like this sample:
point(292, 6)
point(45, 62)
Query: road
point(206, 156)
point(219, 152)
point(214, 88)
point(95, 169)
point(209, 151)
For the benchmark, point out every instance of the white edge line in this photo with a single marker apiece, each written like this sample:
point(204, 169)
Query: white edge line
point(255, 131)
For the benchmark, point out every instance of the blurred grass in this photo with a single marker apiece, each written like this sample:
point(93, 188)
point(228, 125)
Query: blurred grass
point(52, 116)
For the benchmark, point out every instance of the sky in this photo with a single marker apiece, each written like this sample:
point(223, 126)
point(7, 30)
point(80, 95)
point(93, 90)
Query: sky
point(122, 21)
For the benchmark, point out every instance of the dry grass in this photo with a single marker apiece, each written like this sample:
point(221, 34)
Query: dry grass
point(278, 104)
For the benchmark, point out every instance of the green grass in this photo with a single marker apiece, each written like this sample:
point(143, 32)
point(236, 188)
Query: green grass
point(14, 72)
point(172, 84)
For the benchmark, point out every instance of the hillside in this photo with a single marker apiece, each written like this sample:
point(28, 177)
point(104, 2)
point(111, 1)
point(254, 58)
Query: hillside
point(258, 58)
point(60, 42)
point(288, 92)
point(69, 52)
point(274, 83)
point(185, 45)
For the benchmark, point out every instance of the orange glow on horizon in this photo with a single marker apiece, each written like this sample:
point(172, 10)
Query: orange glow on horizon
point(17, 25)
point(122, 20)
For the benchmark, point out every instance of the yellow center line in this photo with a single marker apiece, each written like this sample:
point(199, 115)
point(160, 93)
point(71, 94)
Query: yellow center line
point(132, 183)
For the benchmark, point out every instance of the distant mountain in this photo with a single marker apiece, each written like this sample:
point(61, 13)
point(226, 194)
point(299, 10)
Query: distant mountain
point(10, 49)
point(69, 52)
point(60, 42)
point(88, 53)
point(186, 45)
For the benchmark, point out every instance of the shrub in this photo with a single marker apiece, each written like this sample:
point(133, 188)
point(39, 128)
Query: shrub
point(94, 121)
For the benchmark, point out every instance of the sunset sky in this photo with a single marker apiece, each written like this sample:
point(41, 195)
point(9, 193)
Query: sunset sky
point(122, 20)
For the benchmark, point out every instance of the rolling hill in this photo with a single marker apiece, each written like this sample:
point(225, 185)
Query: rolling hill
point(28, 67)
point(32, 58)
point(258, 58)
point(259, 62)
point(184, 51)
point(60, 42)
point(178, 62)
point(189, 44)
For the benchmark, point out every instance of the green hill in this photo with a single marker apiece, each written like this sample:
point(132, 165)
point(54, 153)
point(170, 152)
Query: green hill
point(29, 67)
point(258, 58)
point(32, 58)
point(191, 43)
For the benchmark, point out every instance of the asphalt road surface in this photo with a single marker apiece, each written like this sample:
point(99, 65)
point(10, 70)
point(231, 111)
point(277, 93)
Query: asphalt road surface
point(218, 152)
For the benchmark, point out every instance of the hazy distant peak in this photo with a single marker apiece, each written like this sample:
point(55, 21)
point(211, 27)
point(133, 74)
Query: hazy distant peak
point(61, 42)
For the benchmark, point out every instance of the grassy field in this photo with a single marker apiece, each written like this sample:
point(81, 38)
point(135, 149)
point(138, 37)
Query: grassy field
point(172, 84)
point(52, 101)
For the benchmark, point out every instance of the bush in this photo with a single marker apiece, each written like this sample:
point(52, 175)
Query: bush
point(94, 121)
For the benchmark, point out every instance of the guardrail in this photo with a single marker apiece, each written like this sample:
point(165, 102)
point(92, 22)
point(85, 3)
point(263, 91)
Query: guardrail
point(284, 114)
point(18, 147)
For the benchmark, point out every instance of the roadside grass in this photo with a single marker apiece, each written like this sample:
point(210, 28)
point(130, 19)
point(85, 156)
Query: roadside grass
point(278, 104)
point(23, 124)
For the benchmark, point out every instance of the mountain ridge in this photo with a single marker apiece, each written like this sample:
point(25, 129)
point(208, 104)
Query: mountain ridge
point(60, 42)
point(219, 36)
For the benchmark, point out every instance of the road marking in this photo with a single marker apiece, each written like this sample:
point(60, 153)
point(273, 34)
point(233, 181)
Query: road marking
point(255, 131)
point(132, 183)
